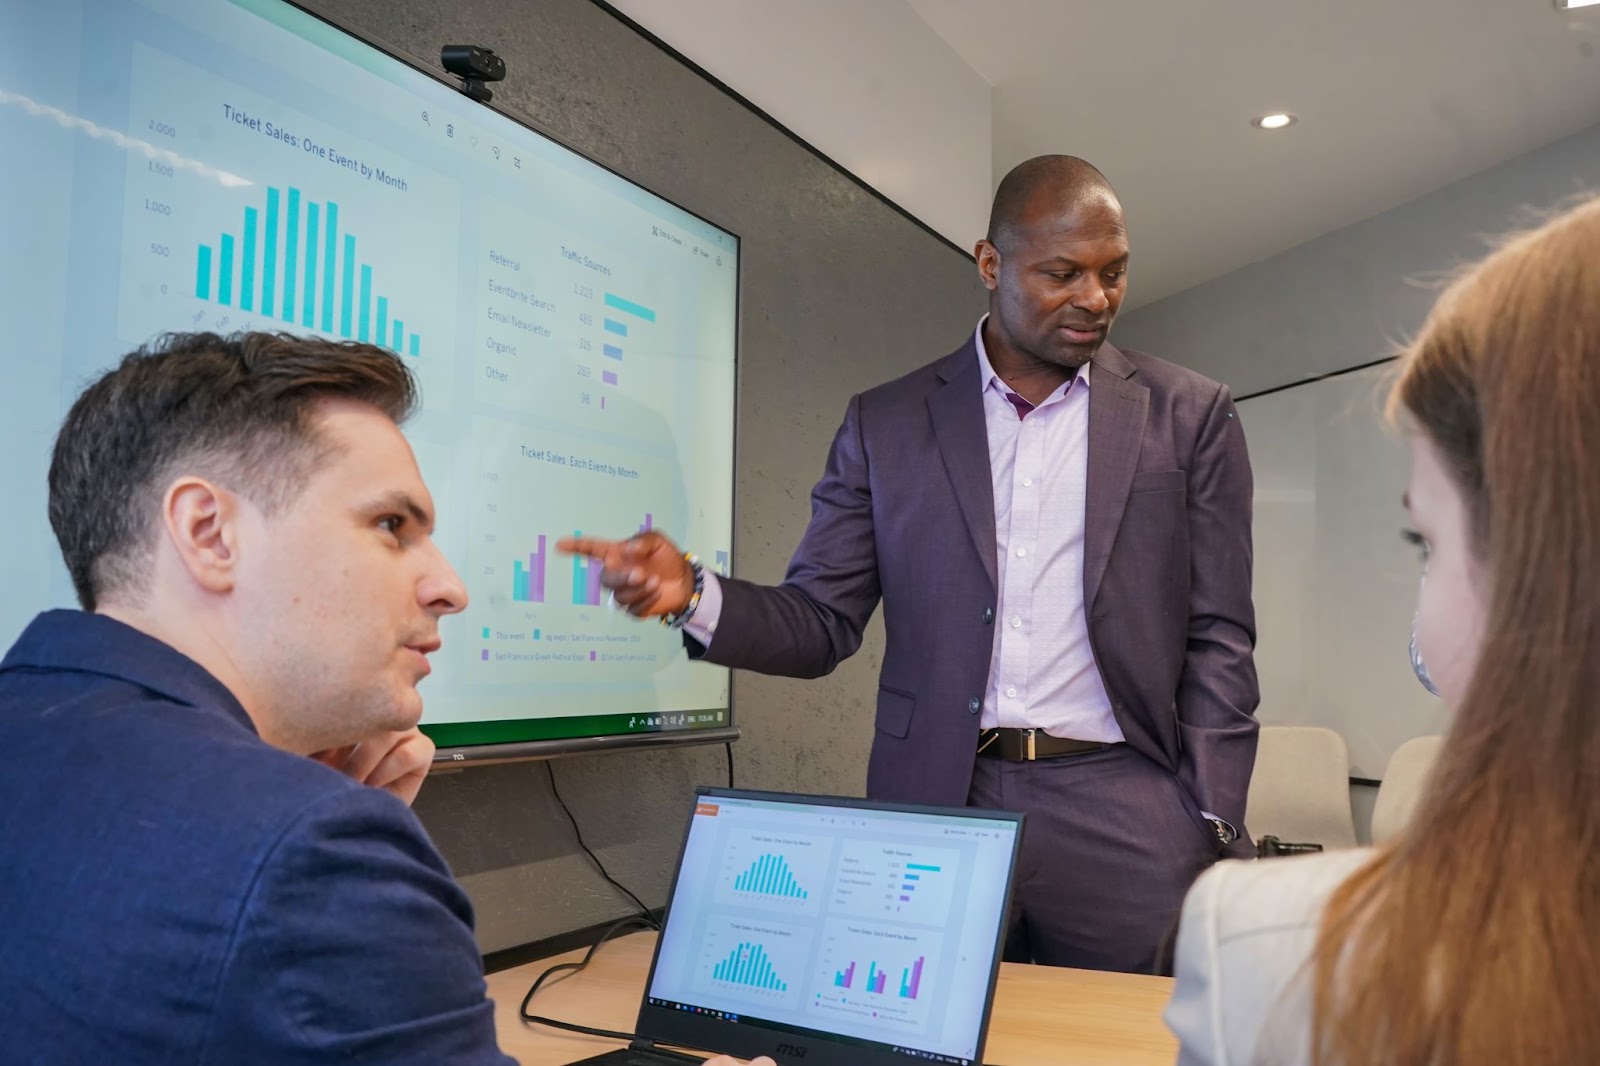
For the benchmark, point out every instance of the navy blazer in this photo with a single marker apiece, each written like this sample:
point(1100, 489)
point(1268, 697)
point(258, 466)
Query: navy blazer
point(905, 512)
point(175, 890)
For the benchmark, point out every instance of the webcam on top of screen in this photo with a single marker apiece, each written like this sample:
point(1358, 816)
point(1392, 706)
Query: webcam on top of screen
point(475, 66)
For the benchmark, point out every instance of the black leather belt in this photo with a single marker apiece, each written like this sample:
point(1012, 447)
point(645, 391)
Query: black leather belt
point(1026, 745)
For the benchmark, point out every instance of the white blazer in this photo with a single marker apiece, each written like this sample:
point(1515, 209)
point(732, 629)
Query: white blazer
point(1243, 991)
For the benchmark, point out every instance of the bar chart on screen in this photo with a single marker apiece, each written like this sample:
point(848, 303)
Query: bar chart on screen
point(245, 213)
point(539, 614)
point(756, 960)
point(775, 871)
point(902, 882)
point(877, 972)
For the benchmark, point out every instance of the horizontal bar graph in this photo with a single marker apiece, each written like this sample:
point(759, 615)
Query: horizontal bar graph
point(748, 965)
point(770, 876)
point(527, 581)
point(289, 262)
point(629, 307)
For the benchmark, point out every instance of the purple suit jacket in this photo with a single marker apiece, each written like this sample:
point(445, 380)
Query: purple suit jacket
point(904, 513)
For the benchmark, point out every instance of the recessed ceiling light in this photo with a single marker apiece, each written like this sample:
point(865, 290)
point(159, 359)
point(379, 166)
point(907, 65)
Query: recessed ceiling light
point(1575, 3)
point(1279, 119)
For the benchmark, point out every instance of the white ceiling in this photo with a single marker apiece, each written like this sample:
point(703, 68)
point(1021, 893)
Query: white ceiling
point(1396, 98)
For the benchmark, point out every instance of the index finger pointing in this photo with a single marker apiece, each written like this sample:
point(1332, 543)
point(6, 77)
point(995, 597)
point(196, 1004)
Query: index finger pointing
point(593, 547)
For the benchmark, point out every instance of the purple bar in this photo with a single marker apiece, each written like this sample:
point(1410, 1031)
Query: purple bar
point(591, 656)
point(608, 377)
point(916, 977)
point(485, 654)
point(905, 899)
point(649, 523)
point(536, 568)
point(594, 583)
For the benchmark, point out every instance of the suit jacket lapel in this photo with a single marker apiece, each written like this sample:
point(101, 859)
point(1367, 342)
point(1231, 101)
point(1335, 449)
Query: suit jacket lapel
point(1117, 410)
point(958, 424)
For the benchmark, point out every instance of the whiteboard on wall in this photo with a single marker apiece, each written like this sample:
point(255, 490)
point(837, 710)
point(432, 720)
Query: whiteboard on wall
point(1335, 585)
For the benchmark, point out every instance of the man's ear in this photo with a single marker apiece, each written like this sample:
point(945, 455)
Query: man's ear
point(988, 257)
point(202, 525)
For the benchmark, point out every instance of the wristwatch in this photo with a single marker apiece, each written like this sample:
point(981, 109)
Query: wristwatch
point(1226, 833)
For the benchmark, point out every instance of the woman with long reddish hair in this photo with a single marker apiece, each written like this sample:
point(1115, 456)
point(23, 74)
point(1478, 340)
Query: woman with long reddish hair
point(1472, 938)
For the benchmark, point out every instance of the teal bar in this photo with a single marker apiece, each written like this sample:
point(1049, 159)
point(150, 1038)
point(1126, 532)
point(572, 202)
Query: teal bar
point(348, 294)
point(202, 274)
point(308, 302)
point(637, 310)
point(398, 334)
point(291, 247)
point(247, 264)
point(415, 348)
point(328, 256)
point(383, 320)
point(580, 586)
point(269, 255)
point(919, 866)
point(364, 318)
point(225, 272)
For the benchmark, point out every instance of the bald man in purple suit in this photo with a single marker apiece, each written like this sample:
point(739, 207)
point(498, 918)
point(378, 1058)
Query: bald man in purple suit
point(1059, 532)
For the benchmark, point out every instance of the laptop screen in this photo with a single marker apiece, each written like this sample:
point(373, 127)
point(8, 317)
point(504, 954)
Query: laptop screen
point(876, 927)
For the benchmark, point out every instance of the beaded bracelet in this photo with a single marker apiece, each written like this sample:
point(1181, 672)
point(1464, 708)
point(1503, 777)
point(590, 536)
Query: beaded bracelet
point(677, 621)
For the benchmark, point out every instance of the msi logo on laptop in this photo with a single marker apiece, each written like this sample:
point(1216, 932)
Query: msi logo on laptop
point(792, 1051)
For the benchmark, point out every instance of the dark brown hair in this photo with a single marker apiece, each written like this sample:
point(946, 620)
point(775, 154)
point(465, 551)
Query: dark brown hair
point(236, 408)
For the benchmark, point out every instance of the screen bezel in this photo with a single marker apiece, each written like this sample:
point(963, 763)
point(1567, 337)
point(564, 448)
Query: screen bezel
point(747, 1040)
point(456, 750)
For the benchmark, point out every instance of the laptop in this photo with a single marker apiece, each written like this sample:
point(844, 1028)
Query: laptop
point(823, 930)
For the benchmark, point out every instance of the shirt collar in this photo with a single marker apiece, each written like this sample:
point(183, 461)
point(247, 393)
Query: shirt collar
point(991, 380)
point(96, 644)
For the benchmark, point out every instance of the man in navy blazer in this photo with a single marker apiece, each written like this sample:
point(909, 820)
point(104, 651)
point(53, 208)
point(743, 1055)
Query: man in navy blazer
point(209, 857)
point(1059, 532)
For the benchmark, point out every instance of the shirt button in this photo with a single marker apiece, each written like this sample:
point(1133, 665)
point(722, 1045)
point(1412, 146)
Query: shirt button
point(1016, 623)
point(1011, 690)
point(1021, 552)
point(988, 615)
point(974, 705)
point(1027, 481)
